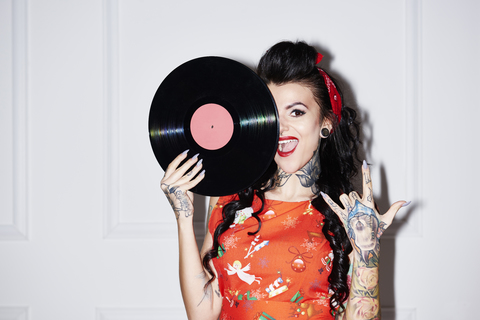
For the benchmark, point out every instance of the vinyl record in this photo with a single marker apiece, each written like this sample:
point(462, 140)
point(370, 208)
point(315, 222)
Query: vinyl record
point(222, 110)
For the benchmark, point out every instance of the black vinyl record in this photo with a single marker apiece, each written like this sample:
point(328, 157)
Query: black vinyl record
point(222, 110)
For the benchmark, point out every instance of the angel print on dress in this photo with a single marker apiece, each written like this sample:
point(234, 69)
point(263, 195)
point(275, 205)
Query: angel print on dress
point(242, 273)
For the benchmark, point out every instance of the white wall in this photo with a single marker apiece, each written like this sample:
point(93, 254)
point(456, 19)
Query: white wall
point(84, 230)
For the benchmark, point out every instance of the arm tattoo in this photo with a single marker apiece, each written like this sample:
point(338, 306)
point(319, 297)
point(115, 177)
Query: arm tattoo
point(364, 294)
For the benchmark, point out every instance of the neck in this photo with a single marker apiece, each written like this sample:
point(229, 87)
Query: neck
point(297, 186)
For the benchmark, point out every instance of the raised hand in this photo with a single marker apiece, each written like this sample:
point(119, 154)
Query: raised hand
point(179, 180)
point(362, 222)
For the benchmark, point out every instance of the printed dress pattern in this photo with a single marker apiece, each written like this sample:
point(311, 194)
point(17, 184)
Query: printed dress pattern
point(280, 272)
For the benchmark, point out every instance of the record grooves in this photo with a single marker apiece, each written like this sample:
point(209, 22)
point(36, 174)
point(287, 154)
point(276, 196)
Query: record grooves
point(222, 110)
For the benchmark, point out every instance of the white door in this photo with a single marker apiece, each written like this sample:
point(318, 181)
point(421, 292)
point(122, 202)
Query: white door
point(85, 232)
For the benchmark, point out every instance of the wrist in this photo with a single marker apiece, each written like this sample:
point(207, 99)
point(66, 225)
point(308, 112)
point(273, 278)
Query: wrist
point(185, 223)
point(366, 258)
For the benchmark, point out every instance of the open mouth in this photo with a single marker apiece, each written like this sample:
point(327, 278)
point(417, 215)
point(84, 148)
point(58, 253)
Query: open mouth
point(286, 146)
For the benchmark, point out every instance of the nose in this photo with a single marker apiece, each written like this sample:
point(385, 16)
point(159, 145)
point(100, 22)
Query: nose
point(283, 124)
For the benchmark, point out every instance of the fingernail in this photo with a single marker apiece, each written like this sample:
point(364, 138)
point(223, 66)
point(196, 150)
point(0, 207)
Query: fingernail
point(202, 173)
point(365, 165)
point(195, 156)
point(185, 152)
point(199, 163)
point(323, 194)
point(406, 203)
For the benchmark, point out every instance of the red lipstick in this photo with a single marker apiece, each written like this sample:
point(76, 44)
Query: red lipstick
point(286, 146)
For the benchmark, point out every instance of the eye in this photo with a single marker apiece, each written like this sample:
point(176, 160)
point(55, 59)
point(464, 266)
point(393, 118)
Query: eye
point(297, 113)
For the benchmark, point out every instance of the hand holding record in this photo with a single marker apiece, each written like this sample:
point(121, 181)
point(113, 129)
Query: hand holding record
point(177, 182)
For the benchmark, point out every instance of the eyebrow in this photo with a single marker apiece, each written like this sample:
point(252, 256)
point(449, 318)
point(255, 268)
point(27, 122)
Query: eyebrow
point(295, 104)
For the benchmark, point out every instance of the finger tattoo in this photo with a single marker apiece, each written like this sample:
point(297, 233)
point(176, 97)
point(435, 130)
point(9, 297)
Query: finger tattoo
point(367, 178)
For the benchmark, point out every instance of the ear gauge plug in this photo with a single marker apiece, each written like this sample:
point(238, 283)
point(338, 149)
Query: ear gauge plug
point(325, 133)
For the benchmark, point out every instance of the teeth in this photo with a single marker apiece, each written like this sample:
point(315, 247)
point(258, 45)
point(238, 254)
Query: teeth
point(286, 141)
point(287, 145)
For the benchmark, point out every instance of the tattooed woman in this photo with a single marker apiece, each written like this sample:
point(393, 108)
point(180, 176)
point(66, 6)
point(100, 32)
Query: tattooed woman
point(282, 248)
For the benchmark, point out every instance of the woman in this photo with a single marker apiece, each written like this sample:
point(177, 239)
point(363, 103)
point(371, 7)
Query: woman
point(282, 248)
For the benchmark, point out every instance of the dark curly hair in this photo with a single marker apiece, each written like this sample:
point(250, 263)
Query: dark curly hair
point(288, 62)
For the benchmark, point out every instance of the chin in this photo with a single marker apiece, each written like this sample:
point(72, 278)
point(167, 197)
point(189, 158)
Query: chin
point(292, 171)
point(288, 166)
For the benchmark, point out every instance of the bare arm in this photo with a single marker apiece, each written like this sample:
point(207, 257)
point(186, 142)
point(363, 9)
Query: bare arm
point(211, 205)
point(364, 226)
point(200, 302)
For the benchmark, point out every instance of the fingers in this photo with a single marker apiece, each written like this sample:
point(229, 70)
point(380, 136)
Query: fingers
point(347, 202)
point(367, 186)
point(338, 210)
point(182, 177)
point(192, 183)
point(174, 173)
point(390, 214)
point(354, 197)
point(174, 164)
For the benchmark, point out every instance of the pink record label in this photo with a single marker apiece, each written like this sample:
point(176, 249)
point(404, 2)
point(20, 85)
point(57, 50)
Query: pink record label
point(211, 126)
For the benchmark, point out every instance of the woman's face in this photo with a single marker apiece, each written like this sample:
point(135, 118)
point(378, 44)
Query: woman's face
point(300, 125)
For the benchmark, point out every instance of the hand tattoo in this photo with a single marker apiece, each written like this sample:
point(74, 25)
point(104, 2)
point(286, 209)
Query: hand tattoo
point(178, 201)
point(363, 228)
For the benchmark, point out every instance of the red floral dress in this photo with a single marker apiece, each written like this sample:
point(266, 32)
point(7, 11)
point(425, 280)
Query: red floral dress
point(278, 273)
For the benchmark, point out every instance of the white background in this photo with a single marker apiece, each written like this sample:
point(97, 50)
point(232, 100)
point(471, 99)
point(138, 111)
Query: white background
point(85, 232)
